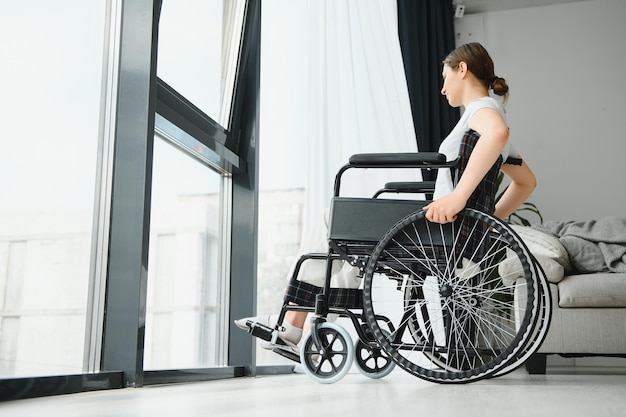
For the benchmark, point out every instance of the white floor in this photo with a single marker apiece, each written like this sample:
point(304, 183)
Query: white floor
point(516, 394)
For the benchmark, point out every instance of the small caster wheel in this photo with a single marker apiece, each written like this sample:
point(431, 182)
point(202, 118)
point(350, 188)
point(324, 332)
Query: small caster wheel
point(371, 361)
point(330, 362)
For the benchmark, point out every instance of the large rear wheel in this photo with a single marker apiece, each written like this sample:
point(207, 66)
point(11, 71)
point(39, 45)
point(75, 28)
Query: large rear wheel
point(448, 291)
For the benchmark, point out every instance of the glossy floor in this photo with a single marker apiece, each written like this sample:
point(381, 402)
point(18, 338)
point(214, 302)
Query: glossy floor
point(515, 394)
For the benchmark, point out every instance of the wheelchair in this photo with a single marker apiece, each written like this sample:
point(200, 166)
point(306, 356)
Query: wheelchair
point(448, 303)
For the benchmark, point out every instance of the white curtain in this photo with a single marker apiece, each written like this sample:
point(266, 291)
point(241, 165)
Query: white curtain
point(357, 98)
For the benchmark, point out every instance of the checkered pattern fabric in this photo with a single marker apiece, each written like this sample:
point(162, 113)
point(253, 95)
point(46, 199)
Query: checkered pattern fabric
point(303, 294)
point(483, 199)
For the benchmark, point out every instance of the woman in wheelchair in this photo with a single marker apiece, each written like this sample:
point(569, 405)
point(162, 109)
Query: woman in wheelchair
point(468, 76)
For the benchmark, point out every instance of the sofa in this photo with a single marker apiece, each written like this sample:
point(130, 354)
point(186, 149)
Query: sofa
point(588, 291)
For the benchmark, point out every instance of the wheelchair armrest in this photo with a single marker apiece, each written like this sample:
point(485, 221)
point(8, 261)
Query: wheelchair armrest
point(422, 160)
point(413, 186)
point(426, 187)
point(399, 160)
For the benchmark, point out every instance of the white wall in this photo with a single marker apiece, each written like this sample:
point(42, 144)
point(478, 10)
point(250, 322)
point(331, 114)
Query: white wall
point(566, 67)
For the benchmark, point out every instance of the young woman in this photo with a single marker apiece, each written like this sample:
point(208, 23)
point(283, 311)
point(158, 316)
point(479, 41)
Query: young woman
point(468, 76)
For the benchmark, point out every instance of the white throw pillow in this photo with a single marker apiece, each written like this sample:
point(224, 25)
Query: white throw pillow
point(511, 269)
point(544, 245)
point(554, 271)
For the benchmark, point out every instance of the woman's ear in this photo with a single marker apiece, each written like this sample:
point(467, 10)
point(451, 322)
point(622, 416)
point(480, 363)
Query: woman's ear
point(462, 68)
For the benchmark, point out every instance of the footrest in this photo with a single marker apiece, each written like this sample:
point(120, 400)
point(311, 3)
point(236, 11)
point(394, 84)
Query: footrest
point(287, 354)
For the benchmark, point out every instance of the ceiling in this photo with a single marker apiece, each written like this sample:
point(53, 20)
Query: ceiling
point(481, 6)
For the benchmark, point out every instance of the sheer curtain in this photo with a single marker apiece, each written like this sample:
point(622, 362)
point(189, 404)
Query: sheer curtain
point(357, 97)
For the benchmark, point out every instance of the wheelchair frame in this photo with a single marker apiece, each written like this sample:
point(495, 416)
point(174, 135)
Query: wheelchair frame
point(392, 243)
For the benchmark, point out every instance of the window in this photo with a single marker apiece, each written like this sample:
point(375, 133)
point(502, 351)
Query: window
point(186, 324)
point(75, 170)
point(282, 179)
point(51, 76)
point(186, 295)
point(199, 50)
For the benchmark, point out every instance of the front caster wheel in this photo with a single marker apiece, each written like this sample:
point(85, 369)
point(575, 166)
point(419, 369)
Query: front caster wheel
point(331, 361)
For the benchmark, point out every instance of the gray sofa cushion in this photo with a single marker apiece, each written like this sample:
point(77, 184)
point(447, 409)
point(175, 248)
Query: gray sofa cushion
point(593, 290)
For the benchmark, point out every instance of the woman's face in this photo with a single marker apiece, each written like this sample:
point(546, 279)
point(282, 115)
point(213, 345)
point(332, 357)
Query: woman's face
point(452, 85)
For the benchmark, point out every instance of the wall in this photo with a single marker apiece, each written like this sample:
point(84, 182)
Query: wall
point(565, 65)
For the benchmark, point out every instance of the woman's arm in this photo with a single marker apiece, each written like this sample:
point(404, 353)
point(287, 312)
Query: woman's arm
point(493, 136)
point(523, 182)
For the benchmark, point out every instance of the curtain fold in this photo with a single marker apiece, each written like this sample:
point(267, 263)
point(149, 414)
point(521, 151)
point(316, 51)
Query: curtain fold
point(357, 97)
point(426, 34)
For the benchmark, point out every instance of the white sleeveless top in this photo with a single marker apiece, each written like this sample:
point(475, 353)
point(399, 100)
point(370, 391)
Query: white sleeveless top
point(452, 143)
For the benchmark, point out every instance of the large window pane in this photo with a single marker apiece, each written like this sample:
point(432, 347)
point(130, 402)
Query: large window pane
point(282, 180)
point(185, 311)
point(51, 74)
point(199, 49)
